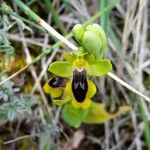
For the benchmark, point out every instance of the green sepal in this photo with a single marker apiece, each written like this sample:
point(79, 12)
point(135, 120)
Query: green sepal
point(97, 113)
point(99, 68)
point(69, 57)
point(90, 58)
point(78, 32)
point(62, 69)
point(73, 116)
point(91, 43)
point(80, 52)
point(62, 102)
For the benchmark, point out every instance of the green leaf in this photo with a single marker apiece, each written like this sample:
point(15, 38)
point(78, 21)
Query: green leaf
point(97, 113)
point(62, 102)
point(62, 69)
point(145, 123)
point(99, 68)
point(73, 116)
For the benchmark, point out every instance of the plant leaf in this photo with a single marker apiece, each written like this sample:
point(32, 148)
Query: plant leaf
point(97, 113)
point(100, 67)
point(62, 69)
point(73, 116)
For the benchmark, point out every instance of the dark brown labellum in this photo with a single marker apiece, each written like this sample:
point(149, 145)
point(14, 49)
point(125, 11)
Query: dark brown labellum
point(57, 82)
point(79, 85)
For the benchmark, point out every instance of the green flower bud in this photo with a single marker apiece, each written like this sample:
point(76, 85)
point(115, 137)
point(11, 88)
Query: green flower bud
point(91, 43)
point(97, 29)
point(103, 37)
point(78, 32)
point(92, 29)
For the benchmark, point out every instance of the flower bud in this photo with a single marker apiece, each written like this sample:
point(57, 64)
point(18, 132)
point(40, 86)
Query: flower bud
point(97, 29)
point(91, 43)
point(78, 32)
point(103, 38)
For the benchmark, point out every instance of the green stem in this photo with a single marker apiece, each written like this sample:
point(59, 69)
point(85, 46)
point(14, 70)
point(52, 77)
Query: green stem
point(101, 12)
point(105, 17)
point(40, 28)
point(146, 125)
point(55, 15)
point(27, 10)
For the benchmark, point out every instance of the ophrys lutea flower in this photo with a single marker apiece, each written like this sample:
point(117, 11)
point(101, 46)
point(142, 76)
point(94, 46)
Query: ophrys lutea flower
point(72, 83)
point(79, 89)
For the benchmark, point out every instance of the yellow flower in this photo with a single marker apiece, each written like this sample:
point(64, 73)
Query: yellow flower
point(80, 90)
point(77, 69)
point(55, 86)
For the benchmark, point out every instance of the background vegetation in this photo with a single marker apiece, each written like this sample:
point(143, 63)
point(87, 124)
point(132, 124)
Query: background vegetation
point(28, 117)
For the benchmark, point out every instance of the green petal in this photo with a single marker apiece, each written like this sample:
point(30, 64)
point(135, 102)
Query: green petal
point(97, 113)
point(100, 68)
point(69, 57)
point(62, 102)
point(90, 58)
point(62, 69)
point(73, 116)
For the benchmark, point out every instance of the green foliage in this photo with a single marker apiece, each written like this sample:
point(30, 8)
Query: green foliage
point(7, 21)
point(73, 116)
point(99, 68)
point(146, 124)
point(5, 25)
point(55, 16)
point(13, 106)
point(63, 69)
point(97, 113)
